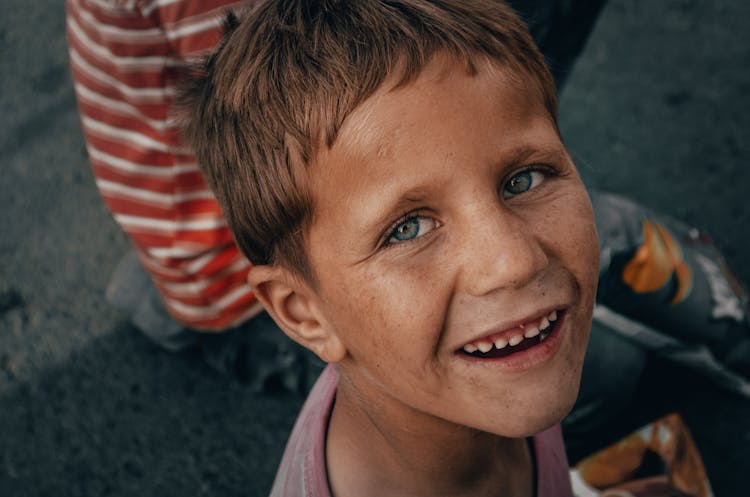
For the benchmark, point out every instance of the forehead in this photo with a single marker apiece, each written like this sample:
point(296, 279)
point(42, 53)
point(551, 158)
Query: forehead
point(394, 108)
point(398, 125)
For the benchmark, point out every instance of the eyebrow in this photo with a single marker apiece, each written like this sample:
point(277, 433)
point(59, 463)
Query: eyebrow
point(405, 202)
point(523, 154)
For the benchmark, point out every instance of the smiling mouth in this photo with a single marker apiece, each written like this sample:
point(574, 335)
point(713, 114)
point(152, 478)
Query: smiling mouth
point(510, 342)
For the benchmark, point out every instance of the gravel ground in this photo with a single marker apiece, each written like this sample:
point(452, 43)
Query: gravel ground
point(657, 108)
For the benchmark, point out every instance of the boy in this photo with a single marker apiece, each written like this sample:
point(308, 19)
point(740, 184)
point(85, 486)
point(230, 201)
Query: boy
point(394, 172)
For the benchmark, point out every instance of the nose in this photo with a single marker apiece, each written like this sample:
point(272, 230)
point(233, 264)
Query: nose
point(502, 250)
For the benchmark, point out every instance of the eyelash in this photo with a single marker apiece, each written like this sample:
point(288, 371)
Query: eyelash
point(390, 232)
point(547, 172)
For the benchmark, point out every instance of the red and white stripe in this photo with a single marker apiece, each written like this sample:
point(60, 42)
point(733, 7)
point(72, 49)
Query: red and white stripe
point(125, 56)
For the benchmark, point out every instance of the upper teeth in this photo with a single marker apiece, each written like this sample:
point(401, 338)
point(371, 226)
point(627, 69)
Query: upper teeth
point(484, 346)
point(544, 324)
point(531, 330)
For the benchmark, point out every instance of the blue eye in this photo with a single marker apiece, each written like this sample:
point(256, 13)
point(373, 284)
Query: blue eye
point(522, 182)
point(411, 228)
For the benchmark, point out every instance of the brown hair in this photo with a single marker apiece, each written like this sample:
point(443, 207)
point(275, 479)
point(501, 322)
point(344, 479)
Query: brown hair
point(284, 79)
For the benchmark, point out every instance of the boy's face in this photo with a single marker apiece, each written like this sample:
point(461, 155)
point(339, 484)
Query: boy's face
point(449, 216)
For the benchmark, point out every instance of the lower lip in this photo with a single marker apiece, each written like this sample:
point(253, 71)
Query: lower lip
point(530, 358)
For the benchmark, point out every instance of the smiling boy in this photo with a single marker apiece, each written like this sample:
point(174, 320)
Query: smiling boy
point(394, 171)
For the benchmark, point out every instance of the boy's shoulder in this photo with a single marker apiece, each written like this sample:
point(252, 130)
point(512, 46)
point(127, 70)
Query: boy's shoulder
point(302, 472)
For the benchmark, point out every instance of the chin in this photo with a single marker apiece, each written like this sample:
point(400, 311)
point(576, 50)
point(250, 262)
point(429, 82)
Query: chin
point(538, 424)
point(546, 410)
point(566, 399)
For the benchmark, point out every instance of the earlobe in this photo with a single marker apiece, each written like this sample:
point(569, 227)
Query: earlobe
point(297, 310)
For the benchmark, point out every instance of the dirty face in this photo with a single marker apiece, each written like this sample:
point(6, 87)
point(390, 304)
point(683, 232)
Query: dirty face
point(455, 252)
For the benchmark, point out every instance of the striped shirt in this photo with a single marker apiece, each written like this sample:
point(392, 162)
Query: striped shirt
point(124, 57)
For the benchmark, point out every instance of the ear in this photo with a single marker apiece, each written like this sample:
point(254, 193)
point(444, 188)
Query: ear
point(297, 309)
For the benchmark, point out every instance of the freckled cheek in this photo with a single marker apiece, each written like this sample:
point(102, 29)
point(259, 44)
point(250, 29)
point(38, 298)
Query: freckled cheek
point(583, 250)
point(405, 306)
point(589, 258)
point(583, 262)
point(577, 242)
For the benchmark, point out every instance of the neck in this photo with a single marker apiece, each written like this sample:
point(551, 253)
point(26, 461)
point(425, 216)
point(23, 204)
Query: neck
point(382, 447)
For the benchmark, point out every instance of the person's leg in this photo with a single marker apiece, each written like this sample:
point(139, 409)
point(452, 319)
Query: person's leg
point(650, 343)
point(560, 29)
point(125, 59)
point(666, 285)
point(131, 291)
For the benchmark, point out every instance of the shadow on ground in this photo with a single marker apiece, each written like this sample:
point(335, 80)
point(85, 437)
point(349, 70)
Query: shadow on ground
point(121, 418)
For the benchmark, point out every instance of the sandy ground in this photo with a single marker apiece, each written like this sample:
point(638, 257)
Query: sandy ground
point(657, 108)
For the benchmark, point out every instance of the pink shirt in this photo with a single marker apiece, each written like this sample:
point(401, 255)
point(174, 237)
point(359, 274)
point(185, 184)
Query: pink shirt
point(302, 472)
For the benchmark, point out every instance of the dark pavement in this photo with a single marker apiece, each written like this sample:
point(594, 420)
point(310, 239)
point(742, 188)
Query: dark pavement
point(658, 108)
